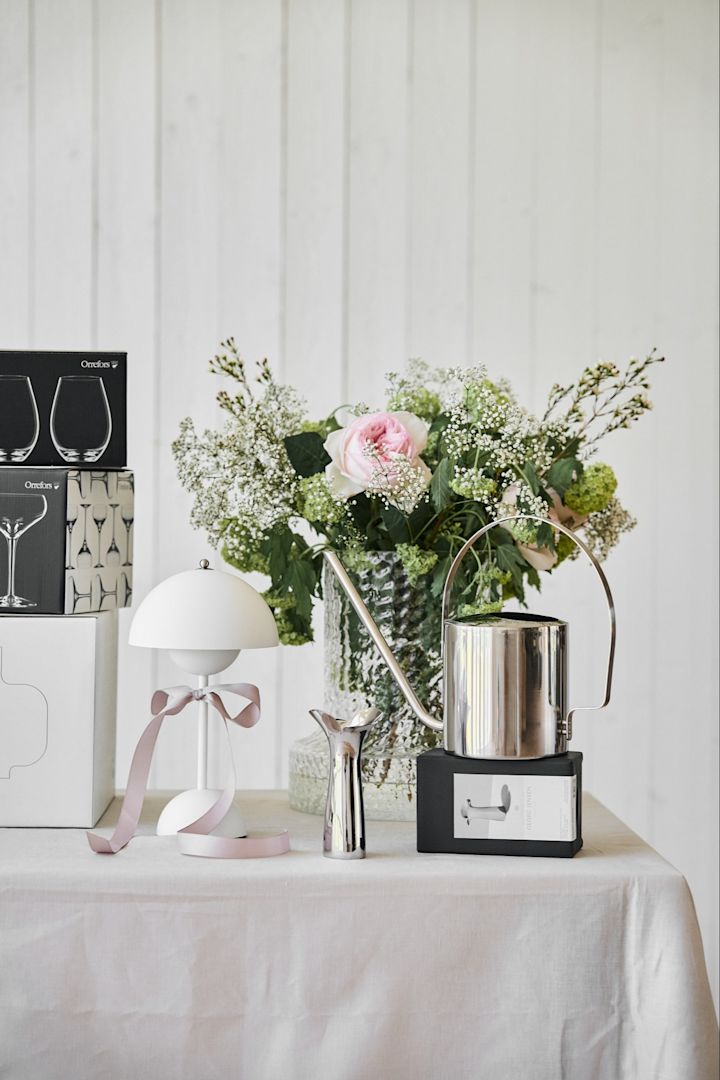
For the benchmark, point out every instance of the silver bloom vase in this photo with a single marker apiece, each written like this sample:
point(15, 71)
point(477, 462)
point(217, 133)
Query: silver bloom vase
point(356, 678)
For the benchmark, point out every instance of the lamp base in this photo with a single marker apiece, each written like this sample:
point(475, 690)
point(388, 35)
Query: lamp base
point(190, 805)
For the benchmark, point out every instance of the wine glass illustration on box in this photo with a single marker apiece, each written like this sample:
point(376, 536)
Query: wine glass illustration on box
point(126, 592)
point(112, 556)
point(19, 420)
point(104, 593)
point(70, 522)
point(83, 559)
point(18, 513)
point(80, 419)
point(78, 596)
point(128, 516)
point(99, 515)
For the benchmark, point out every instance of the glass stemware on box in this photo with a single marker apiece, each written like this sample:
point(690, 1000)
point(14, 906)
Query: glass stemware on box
point(80, 418)
point(112, 555)
point(19, 511)
point(99, 515)
point(19, 419)
point(83, 559)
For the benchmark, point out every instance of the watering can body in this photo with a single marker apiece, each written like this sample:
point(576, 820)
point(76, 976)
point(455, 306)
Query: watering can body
point(505, 686)
point(504, 675)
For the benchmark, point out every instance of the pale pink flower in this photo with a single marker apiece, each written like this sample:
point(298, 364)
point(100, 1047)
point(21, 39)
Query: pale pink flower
point(543, 558)
point(370, 447)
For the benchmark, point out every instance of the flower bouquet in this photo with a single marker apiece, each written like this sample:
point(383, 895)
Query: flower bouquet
point(396, 492)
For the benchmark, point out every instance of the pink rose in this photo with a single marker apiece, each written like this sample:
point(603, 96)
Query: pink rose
point(371, 446)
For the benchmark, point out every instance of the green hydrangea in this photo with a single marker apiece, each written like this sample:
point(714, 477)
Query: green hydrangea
point(287, 633)
point(565, 548)
point(415, 561)
point(478, 395)
point(315, 501)
point(416, 399)
point(592, 491)
point(355, 557)
point(277, 602)
point(473, 484)
point(488, 608)
point(242, 551)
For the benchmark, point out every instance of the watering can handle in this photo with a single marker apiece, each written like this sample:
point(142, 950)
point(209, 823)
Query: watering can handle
point(599, 570)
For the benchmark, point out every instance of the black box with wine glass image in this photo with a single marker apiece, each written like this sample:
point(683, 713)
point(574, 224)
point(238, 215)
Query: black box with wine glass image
point(68, 539)
point(63, 408)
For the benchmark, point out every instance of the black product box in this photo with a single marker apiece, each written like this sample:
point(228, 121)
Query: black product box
point(478, 806)
point(66, 540)
point(63, 408)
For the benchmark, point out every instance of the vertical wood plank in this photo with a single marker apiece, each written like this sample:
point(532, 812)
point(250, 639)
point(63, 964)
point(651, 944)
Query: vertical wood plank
point(627, 206)
point(377, 188)
point(504, 189)
point(438, 180)
point(313, 276)
point(250, 259)
point(684, 486)
point(16, 178)
point(189, 328)
point(125, 291)
point(63, 153)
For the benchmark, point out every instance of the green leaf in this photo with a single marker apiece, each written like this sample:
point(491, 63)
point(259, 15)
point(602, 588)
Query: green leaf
point(545, 536)
point(440, 422)
point(531, 476)
point(439, 574)
point(300, 580)
point(440, 491)
point(396, 524)
point(277, 547)
point(561, 474)
point(306, 452)
point(509, 558)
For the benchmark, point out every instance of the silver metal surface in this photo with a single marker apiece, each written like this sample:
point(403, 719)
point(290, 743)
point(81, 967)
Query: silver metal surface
point(505, 686)
point(505, 676)
point(344, 830)
point(381, 644)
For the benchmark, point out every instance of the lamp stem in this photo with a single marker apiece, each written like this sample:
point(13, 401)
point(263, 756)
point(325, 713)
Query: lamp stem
point(202, 737)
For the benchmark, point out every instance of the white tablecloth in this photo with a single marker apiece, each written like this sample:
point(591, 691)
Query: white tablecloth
point(150, 964)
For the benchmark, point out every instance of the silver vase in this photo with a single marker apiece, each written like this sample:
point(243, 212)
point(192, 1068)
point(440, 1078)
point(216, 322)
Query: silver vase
point(356, 678)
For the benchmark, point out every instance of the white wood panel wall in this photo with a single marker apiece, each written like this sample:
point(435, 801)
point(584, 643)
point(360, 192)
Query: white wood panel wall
point(345, 183)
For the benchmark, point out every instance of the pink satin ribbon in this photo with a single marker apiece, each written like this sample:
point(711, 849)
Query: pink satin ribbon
point(194, 838)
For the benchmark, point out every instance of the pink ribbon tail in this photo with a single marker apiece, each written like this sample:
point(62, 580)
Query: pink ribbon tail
point(193, 838)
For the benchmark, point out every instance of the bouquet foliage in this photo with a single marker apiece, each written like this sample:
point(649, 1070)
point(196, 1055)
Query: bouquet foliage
point(450, 451)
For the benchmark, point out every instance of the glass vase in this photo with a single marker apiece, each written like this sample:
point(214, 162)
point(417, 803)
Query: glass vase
point(356, 676)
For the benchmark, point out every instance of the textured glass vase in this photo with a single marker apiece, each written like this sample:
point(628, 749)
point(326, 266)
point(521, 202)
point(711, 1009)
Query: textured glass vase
point(355, 677)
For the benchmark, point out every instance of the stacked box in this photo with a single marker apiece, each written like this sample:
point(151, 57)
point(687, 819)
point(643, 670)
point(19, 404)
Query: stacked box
point(66, 554)
point(482, 806)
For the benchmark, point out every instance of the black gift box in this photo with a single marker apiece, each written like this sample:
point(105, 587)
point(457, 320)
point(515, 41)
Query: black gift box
point(63, 408)
point(478, 806)
point(66, 540)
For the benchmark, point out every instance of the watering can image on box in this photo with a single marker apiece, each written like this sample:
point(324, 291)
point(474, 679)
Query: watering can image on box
point(504, 675)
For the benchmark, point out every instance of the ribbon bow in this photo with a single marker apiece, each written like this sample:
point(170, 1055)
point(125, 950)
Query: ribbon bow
point(193, 838)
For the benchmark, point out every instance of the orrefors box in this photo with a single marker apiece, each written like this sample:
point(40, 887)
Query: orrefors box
point(63, 408)
point(58, 686)
point(66, 540)
point(482, 806)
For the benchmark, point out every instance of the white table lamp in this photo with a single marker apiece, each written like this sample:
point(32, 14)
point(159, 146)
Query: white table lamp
point(203, 618)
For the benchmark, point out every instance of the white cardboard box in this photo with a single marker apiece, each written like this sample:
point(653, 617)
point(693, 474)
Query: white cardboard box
point(58, 690)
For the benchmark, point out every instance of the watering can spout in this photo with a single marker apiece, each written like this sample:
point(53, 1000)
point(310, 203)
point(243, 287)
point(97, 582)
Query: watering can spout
point(381, 644)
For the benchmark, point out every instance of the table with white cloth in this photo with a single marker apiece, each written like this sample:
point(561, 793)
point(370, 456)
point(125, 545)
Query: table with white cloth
point(151, 964)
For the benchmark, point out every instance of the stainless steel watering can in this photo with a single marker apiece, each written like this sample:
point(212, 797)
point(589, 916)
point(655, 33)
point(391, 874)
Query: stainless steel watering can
point(504, 675)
